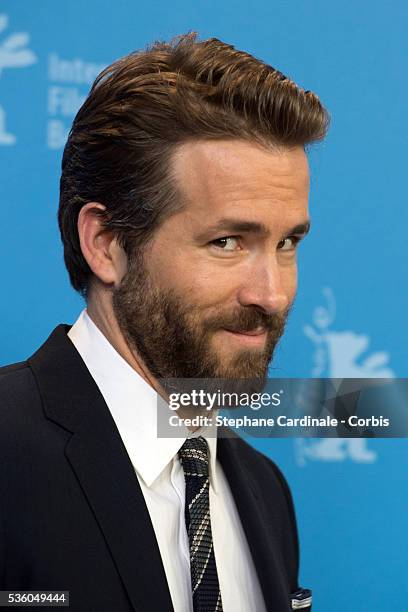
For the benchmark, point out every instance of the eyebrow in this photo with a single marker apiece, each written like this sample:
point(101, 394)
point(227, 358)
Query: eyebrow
point(238, 226)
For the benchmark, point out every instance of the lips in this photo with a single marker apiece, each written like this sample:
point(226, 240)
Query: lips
point(252, 332)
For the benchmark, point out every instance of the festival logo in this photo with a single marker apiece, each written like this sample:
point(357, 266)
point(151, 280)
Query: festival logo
point(340, 354)
point(69, 83)
point(13, 54)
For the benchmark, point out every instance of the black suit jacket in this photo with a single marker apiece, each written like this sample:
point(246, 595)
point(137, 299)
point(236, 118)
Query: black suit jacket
point(72, 514)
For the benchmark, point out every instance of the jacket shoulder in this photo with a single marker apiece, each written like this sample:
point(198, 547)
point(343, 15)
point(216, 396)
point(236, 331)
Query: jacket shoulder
point(20, 402)
point(16, 380)
point(11, 368)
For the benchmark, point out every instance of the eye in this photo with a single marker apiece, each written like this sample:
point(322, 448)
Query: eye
point(227, 243)
point(289, 244)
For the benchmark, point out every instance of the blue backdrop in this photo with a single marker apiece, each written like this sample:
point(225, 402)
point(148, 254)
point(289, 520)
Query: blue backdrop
point(350, 314)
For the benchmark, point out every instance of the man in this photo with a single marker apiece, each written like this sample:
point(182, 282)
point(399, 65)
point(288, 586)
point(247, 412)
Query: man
point(184, 194)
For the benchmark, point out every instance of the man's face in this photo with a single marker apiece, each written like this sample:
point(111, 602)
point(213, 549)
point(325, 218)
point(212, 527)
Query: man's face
point(210, 294)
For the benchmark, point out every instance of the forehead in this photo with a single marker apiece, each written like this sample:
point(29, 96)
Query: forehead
point(234, 177)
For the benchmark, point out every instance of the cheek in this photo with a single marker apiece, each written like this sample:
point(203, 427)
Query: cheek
point(216, 287)
point(194, 279)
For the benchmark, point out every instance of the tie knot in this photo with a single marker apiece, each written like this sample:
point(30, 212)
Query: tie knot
point(194, 457)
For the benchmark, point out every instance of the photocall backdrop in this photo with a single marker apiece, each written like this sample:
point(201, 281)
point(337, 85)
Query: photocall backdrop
point(350, 314)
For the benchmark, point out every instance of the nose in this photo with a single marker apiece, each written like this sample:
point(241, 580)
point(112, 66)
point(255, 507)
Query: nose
point(264, 287)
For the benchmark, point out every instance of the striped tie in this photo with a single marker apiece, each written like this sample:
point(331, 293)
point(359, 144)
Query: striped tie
point(204, 580)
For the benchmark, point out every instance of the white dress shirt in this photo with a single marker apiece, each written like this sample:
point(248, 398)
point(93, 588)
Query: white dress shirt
point(133, 404)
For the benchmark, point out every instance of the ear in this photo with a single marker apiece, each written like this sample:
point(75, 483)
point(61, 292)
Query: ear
point(100, 247)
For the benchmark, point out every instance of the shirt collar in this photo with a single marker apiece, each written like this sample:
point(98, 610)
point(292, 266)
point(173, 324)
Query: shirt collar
point(133, 405)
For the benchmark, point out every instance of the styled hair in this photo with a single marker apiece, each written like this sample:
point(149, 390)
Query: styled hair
point(145, 104)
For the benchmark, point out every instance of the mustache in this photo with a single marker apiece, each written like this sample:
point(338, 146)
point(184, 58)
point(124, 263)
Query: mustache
point(248, 319)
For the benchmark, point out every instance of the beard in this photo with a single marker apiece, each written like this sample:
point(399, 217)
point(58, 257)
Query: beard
point(174, 336)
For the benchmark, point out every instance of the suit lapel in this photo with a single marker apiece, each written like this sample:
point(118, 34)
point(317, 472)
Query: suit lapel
point(264, 554)
point(99, 459)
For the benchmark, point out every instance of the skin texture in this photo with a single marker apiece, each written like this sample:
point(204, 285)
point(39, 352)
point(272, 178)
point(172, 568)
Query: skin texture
point(206, 270)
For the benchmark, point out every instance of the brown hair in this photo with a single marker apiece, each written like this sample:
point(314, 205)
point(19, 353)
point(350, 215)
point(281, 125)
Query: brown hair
point(146, 103)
